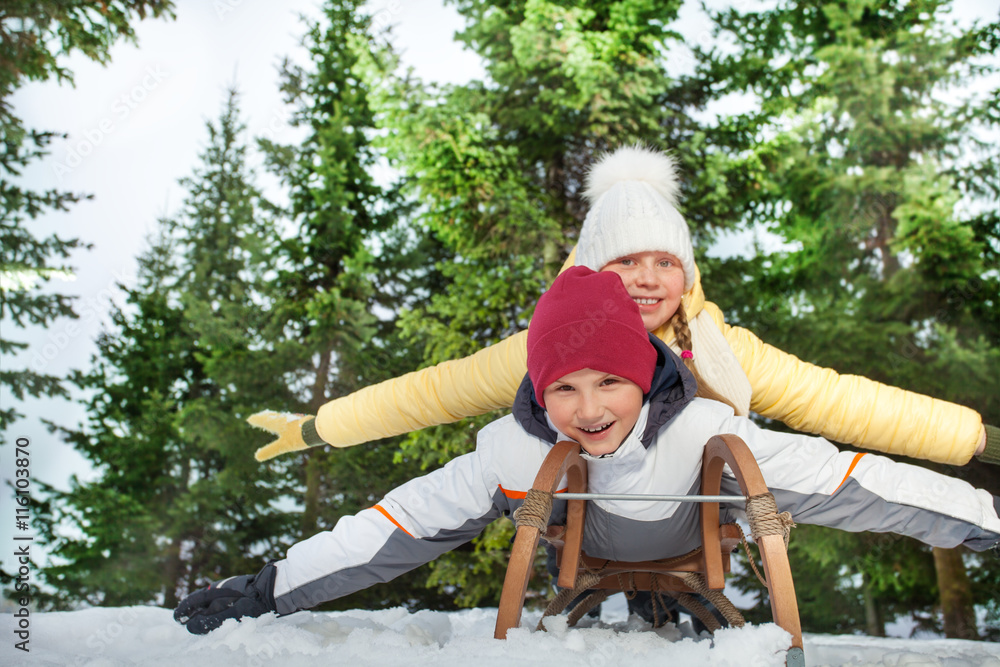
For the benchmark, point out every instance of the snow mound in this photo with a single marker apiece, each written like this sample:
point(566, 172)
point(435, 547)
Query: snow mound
point(148, 636)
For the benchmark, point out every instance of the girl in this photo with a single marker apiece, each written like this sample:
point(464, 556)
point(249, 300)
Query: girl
point(635, 230)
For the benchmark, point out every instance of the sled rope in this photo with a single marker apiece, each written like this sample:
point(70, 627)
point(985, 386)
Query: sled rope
point(691, 603)
point(584, 582)
point(697, 583)
point(535, 510)
point(586, 604)
point(656, 600)
point(764, 519)
point(753, 564)
point(629, 590)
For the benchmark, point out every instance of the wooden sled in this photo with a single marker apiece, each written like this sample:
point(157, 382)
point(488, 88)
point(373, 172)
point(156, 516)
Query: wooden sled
point(702, 571)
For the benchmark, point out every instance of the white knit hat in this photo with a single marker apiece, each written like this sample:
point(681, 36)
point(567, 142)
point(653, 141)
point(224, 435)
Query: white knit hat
point(633, 208)
point(633, 197)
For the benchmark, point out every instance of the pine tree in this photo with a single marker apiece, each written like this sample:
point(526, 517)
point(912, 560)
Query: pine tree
point(497, 167)
point(37, 36)
point(865, 163)
point(325, 280)
point(349, 263)
point(178, 497)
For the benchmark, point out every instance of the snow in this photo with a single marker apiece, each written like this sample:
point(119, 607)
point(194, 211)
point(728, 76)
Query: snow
point(148, 636)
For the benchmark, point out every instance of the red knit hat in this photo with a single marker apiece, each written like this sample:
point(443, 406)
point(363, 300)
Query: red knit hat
point(588, 320)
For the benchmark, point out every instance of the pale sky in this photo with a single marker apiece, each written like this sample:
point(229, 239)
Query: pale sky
point(136, 126)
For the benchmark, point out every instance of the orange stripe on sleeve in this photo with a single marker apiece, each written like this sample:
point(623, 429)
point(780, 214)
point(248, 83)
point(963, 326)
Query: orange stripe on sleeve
point(389, 517)
point(857, 457)
point(512, 494)
point(522, 494)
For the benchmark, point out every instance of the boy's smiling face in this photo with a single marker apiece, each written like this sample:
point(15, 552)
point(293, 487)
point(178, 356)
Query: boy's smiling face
point(595, 408)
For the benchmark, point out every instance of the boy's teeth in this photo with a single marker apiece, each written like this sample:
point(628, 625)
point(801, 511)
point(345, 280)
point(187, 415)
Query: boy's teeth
point(595, 429)
point(645, 302)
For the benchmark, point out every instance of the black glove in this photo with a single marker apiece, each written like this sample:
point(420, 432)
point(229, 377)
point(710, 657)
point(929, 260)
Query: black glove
point(248, 595)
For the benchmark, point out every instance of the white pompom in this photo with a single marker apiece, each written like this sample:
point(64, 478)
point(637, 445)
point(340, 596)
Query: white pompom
point(633, 163)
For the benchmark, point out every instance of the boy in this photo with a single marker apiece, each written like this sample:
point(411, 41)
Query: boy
point(595, 376)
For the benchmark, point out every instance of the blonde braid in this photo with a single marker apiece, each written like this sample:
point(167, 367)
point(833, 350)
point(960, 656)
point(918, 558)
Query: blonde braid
point(679, 323)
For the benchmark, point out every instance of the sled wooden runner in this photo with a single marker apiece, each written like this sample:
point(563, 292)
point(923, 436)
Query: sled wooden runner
point(704, 568)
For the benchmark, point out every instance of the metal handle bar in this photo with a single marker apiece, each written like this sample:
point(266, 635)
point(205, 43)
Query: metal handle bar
point(622, 496)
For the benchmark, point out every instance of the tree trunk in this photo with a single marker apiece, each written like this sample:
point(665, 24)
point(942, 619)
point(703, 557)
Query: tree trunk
point(310, 501)
point(874, 623)
point(314, 475)
point(885, 232)
point(172, 574)
point(174, 570)
point(956, 594)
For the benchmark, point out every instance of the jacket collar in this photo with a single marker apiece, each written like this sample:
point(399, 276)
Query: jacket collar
point(672, 388)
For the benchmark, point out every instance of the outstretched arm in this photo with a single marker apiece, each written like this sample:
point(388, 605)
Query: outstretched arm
point(441, 394)
point(453, 390)
point(822, 485)
point(852, 409)
point(413, 524)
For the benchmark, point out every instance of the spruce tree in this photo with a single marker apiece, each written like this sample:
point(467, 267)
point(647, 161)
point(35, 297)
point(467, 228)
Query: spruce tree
point(348, 262)
point(325, 265)
point(496, 167)
point(178, 498)
point(866, 163)
point(37, 38)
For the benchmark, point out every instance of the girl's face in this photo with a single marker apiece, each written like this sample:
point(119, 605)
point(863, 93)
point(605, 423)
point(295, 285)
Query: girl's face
point(595, 408)
point(655, 281)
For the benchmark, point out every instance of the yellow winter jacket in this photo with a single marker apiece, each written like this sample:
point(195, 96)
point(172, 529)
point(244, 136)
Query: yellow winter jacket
point(844, 408)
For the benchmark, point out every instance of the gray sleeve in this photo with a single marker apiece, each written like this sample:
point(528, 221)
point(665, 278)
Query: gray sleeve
point(414, 524)
point(818, 484)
